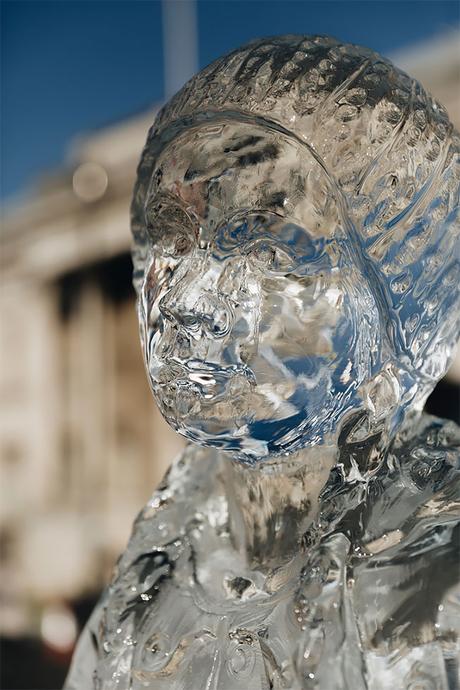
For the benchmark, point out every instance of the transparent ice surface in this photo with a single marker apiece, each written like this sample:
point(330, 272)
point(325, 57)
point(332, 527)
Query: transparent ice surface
point(297, 266)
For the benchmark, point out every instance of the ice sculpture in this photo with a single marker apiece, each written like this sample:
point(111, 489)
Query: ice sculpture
point(297, 265)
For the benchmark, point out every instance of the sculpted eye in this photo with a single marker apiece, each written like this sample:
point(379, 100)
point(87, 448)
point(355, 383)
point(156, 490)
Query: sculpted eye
point(173, 243)
point(263, 254)
point(271, 257)
point(171, 228)
point(182, 245)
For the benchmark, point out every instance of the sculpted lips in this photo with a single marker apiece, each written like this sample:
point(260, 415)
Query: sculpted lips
point(210, 380)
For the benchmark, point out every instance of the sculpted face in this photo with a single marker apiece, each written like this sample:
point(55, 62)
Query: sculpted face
point(258, 325)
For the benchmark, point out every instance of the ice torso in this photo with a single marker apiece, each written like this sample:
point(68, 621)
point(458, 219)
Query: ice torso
point(368, 601)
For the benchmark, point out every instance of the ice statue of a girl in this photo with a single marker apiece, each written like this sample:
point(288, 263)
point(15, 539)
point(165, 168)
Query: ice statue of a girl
point(297, 266)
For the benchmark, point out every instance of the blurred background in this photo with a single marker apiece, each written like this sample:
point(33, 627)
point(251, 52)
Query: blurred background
point(82, 444)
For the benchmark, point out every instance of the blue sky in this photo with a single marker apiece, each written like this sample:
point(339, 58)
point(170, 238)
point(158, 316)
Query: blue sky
point(71, 66)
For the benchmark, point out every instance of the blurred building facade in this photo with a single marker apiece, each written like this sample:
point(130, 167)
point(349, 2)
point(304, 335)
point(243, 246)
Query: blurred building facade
point(82, 443)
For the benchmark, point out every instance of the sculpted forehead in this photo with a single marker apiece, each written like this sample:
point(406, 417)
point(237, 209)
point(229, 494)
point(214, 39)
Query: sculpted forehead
point(222, 170)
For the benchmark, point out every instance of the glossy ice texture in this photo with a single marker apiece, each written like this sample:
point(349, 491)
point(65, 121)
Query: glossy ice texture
point(297, 265)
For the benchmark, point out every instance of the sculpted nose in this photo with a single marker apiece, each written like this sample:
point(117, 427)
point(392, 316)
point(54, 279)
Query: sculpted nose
point(195, 311)
point(177, 309)
point(215, 314)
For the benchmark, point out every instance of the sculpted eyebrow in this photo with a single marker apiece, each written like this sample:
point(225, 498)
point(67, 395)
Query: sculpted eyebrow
point(246, 141)
point(270, 152)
